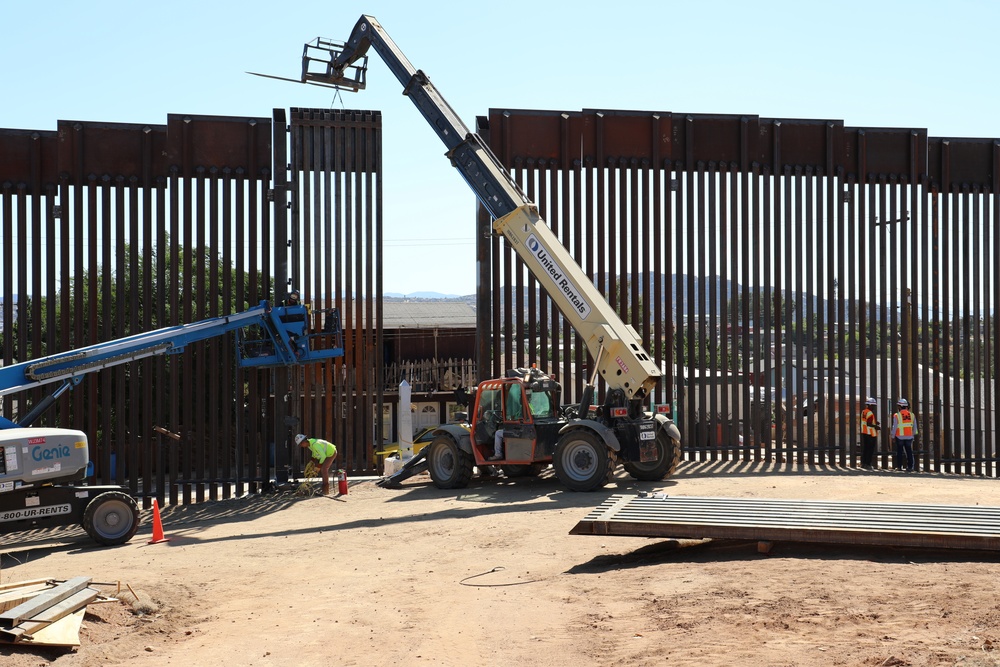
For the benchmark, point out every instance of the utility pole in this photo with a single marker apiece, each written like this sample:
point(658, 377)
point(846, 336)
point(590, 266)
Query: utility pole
point(907, 371)
point(906, 324)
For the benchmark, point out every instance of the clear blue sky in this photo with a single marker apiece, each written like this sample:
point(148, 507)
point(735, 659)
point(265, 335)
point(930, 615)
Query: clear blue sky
point(870, 64)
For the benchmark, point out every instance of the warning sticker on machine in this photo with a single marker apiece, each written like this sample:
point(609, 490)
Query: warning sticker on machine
point(35, 512)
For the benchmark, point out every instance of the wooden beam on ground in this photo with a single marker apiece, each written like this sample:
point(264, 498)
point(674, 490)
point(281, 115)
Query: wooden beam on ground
point(80, 600)
point(43, 601)
point(28, 582)
point(12, 597)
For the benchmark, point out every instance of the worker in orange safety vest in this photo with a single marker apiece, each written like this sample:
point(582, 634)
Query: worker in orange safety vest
point(870, 426)
point(904, 429)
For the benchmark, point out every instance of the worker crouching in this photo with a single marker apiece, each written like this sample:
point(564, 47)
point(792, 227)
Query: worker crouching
point(323, 453)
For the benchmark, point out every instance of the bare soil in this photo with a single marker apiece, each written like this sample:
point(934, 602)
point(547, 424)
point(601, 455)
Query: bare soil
point(490, 575)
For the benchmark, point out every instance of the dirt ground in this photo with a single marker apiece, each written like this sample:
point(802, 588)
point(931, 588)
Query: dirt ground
point(490, 575)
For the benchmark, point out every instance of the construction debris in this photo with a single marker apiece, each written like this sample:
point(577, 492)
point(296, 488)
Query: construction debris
point(307, 487)
point(45, 612)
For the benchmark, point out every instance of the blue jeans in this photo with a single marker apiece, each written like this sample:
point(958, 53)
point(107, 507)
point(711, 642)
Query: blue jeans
point(904, 454)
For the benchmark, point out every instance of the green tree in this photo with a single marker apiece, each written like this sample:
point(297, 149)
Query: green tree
point(124, 308)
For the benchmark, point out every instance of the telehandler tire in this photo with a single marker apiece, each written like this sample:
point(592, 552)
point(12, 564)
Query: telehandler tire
point(450, 466)
point(582, 461)
point(669, 455)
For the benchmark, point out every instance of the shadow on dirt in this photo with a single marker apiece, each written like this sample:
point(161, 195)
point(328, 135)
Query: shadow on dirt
point(17, 546)
point(45, 655)
point(483, 496)
point(716, 551)
point(781, 467)
point(504, 490)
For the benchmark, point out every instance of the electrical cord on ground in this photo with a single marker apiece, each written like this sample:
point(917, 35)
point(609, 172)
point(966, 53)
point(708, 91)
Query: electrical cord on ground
point(496, 569)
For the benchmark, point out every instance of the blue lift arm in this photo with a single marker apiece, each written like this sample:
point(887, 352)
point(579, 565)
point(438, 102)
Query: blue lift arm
point(266, 336)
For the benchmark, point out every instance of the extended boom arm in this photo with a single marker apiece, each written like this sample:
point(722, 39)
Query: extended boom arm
point(329, 63)
point(621, 359)
point(279, 338)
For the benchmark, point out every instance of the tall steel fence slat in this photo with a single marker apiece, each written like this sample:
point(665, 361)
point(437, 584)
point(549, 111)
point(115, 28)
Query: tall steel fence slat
point(911, 220)
point(336, 262)
point(126, 228)
point(858, 260)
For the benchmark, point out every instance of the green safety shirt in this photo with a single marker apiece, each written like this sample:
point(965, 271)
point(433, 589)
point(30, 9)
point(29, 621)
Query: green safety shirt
point(321, 449)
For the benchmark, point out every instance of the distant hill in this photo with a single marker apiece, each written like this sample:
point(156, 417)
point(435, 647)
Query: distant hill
point(702, 287)
point(425, 296)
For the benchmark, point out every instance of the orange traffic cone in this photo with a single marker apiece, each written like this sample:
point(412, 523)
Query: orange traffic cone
point(157, 525)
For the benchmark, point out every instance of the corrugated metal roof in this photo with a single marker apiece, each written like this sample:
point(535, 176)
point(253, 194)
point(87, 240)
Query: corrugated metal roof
point(427, 315)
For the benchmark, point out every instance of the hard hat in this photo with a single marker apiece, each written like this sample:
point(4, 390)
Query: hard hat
point(902, 403)
point(871, 401)
point(299, 438)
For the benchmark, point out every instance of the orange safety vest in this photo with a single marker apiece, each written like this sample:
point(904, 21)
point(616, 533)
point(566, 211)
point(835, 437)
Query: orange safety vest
point(868, 422)
point(904, 424)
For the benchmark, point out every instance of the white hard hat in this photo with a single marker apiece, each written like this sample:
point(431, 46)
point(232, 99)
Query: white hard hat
point(903, 403)
point(871, 401)
point(299, 438)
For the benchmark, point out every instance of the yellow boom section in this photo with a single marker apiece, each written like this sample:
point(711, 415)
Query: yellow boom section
point(624, 363)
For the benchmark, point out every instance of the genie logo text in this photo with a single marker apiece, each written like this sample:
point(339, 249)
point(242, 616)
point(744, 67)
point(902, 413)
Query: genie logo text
point(50, 453)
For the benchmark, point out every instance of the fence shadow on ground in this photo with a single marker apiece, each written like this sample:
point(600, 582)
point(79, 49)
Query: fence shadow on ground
point(786, 467)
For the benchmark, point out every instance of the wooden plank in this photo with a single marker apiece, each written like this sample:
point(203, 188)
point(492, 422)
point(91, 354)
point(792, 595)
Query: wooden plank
point(58, 611)
point(51, 615)
point(27, 582)
point(64, 632)
point(43, 601)
point(15, 596)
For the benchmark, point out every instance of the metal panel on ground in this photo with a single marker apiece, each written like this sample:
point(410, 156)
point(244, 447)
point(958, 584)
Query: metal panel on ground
point(764, 519)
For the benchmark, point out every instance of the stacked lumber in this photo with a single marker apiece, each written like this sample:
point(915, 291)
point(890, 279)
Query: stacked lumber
point(45, 612)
